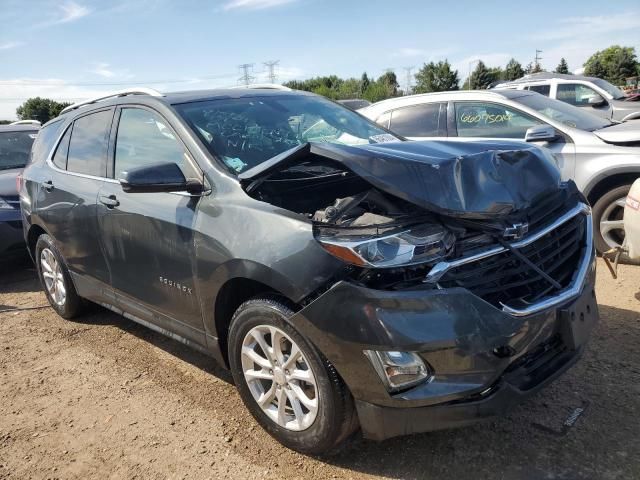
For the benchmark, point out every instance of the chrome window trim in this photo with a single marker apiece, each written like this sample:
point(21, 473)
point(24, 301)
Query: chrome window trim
point(563, 296)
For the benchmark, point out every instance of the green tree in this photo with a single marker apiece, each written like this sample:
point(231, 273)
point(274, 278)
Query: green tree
point(563, 67)
point(326, 91)
point(436, 77)
point(375, 92)
point(614, 64)
point(480, 77)
point(41, 109)
point(513, 70)
point(364, 83)
point(389, 80)
point(495, 74)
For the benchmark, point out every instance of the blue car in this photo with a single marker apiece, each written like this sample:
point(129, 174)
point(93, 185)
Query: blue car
point(15, 148)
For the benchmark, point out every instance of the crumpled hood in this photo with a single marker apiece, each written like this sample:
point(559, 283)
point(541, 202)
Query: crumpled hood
point(621, 133)
point(464, 179)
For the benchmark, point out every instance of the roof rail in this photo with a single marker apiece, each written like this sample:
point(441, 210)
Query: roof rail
point(26, 122)
point(266, 86)
point(119, 93)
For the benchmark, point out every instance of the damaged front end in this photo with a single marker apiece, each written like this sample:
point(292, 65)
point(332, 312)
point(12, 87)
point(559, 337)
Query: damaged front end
point(397, 214)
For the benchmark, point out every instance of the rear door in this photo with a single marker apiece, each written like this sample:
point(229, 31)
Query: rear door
point(148, 238)
point(418, 122)
point(67, 200)
point(473, 121)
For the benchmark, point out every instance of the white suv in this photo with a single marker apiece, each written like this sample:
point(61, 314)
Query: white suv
point(594, 94)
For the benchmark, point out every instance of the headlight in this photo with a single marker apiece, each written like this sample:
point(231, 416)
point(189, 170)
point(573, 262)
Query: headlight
point(419, 244)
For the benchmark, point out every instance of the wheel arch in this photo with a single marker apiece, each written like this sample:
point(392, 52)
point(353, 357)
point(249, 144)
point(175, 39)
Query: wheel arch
point(234, 283)
point(605, 182)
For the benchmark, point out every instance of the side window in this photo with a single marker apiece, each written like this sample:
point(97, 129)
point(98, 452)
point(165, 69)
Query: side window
point(89, 142)
point(60, 157)
point(575, 94)
point(489, 120)
point(542, 89)
point(419, 121)
point(45, 140)
point(144, 138)
point(384, 119)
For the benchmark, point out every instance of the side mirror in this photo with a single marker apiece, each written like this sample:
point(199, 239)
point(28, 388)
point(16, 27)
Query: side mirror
point(159, 177)
point(541, 133)
point(596, 100)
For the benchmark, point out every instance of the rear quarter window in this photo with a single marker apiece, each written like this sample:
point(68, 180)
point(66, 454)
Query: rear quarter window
point(45, 141)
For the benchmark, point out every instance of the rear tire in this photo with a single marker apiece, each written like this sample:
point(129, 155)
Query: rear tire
point(55, 279)
point(607, 221)
point(324, 415)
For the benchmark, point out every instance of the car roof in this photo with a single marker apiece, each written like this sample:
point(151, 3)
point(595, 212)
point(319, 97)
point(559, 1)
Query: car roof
point(445, 97)
point(535, 77)
point(174, 98)
point(19, 128)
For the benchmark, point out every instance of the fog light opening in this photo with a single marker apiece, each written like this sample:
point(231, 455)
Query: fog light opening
point(399, 370)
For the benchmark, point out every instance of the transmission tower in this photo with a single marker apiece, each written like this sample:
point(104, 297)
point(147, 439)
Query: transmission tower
point(271, 66)
point(246, 77)
point(407, 88)
point(536, 61)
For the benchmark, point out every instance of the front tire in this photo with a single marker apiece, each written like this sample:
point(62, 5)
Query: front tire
point(55, 279)
point(608, 222)
point(290, 389)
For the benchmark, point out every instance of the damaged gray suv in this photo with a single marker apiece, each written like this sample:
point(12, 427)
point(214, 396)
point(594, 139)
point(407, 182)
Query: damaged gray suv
point(349, 279)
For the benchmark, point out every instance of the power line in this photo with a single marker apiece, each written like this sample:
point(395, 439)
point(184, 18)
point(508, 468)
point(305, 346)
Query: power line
point(271, 65)
point(246, 78)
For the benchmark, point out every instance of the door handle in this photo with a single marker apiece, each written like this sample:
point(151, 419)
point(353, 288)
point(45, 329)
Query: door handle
point(110, 201)
point(48, 185)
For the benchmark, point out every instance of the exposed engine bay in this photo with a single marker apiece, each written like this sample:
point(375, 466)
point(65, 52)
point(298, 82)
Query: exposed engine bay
point(391, 242)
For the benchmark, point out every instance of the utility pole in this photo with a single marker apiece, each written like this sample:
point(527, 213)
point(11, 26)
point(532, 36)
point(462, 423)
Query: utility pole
point(246, 78)
point(536, 61)
point(271, 66)
point(407, 88)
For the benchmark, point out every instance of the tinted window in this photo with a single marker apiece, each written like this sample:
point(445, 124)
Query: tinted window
point(45, 140)
point(542, 89)
point(418, 121)
point(15, 148)
point(88, 145)
point(60, 157)
point(490, 120)
point(575, 94)
point(144, 138)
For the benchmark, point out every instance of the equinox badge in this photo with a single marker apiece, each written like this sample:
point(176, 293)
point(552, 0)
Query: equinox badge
point(180, 287)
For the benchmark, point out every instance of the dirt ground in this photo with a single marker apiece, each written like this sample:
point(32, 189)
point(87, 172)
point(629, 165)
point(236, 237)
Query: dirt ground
point(102, 397)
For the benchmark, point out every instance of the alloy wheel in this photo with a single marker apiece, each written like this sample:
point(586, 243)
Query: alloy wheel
point(53, 277)
point(612, 223)
point(279, 377)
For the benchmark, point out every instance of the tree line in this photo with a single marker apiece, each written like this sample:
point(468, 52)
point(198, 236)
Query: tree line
point(614, 64)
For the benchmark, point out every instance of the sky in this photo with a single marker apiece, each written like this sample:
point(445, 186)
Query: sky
point(71, 50)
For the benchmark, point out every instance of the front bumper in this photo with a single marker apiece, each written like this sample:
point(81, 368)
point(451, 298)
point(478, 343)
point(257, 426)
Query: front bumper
point(460, 336)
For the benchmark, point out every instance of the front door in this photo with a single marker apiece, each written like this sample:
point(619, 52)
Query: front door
point(148, 238)
point(492, 121)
